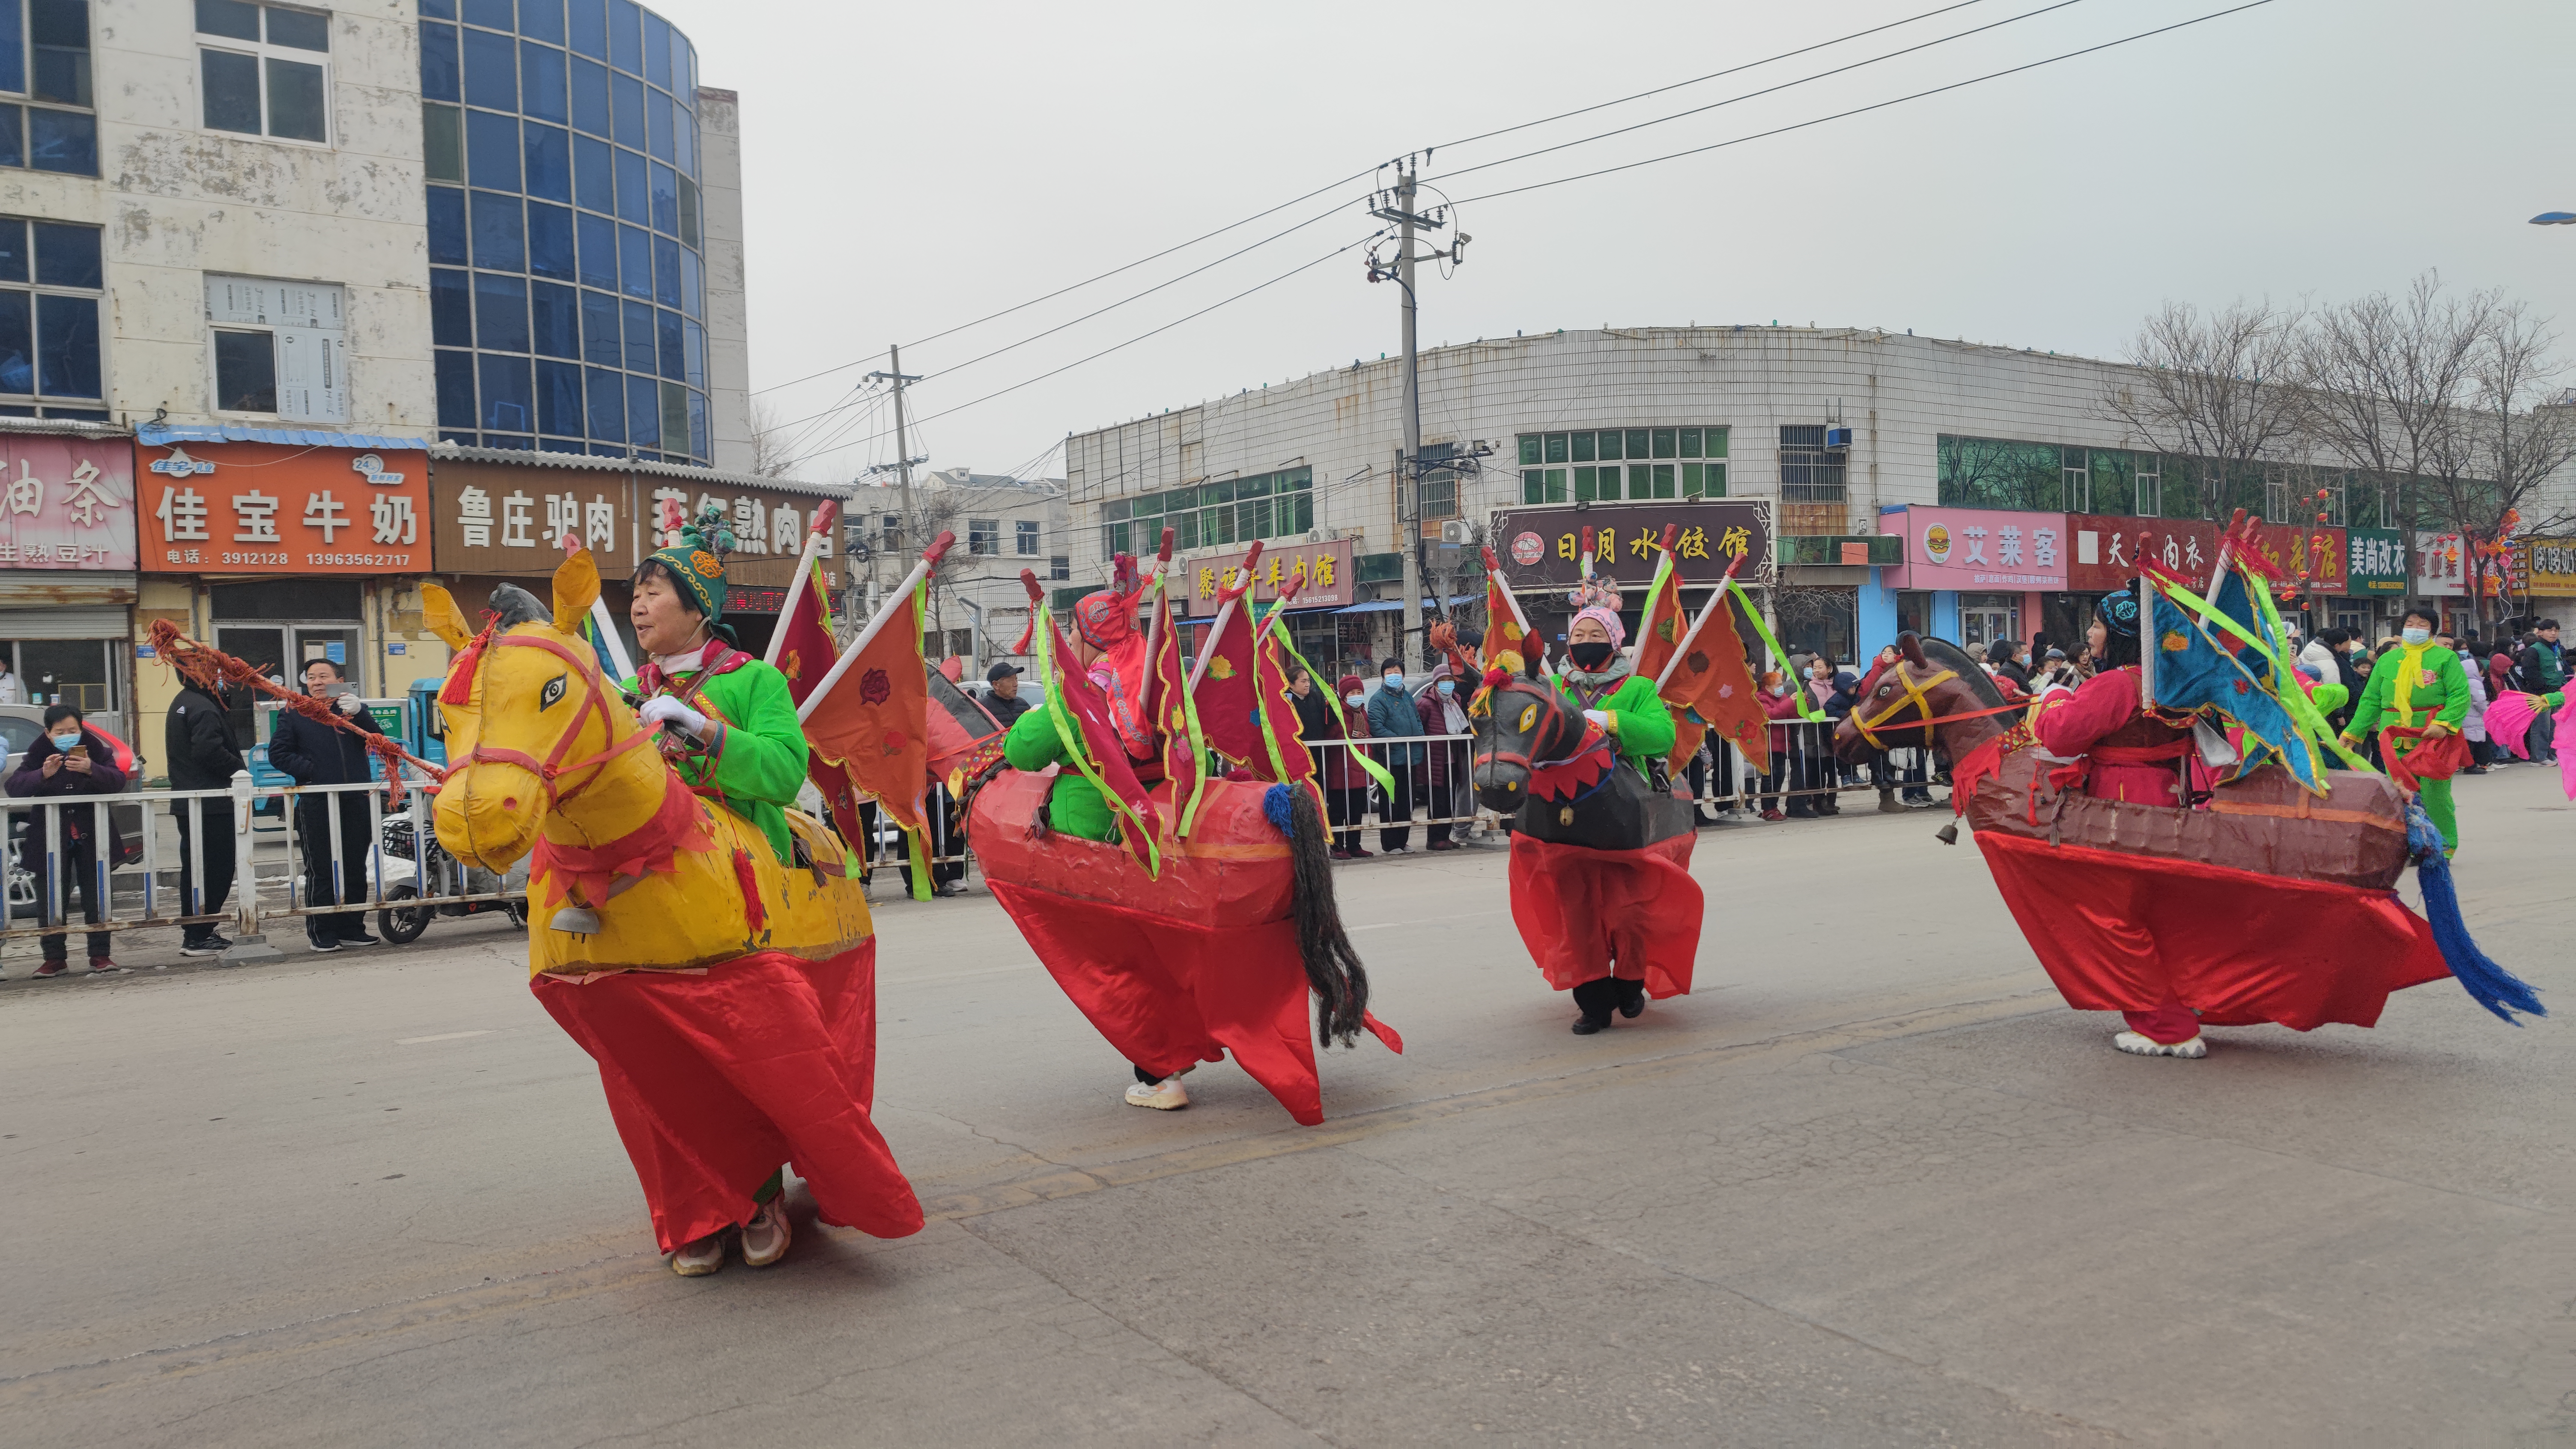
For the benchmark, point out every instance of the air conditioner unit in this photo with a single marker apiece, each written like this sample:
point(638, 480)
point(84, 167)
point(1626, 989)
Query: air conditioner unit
point(1456, 533)
point(1837, 437)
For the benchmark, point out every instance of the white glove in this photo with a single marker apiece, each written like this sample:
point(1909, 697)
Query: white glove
point(1600, 717)
point(664, 709)
point(347, 704)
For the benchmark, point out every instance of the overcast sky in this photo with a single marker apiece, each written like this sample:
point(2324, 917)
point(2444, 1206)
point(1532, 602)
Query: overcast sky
point(912, 168)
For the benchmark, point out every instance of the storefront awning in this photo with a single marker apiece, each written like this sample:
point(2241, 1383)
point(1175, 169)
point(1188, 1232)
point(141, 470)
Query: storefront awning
point(1382, 606)
point(162, 435)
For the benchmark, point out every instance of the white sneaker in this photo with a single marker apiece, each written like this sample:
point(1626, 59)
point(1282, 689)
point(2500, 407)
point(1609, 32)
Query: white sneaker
point(1166, 1095)
point(700, 1258)
point(764, 1238)
point(2143, 1046)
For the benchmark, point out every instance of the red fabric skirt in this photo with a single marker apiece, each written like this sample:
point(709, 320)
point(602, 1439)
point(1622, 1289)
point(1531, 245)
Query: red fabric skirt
point(716, 1079)
point(2121, 932)
point(1169, 997)
point(1585, 914)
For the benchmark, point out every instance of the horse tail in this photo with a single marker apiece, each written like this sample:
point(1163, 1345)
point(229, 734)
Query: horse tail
point(1333, 967)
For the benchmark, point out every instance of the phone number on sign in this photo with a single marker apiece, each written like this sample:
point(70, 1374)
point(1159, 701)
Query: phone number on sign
point(252, 558)
point(357, 560)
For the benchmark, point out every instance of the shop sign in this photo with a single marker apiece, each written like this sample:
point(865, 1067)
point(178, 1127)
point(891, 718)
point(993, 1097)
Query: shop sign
point(1542, 548)
point(2309, 556)
point(2374, 561)
point(1322, 572)
point(510, 519)
point(68, 503)
point(270, 508)
point(2438, 571)
point(769, 527)
point(1980, 549)
point(2109, 549)
point(2545, 565)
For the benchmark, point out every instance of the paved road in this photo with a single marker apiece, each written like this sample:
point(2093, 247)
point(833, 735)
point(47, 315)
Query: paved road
point(1872, 1184)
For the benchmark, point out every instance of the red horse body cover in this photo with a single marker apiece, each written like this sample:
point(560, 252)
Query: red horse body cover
point(1585, 914)
point(716, 1078)
point(2122, 932)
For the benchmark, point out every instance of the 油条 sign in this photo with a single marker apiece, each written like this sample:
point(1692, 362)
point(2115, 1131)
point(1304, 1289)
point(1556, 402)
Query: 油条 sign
point(68, 503)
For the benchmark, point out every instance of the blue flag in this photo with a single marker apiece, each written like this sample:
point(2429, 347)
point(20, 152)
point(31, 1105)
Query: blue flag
point(2195, 670)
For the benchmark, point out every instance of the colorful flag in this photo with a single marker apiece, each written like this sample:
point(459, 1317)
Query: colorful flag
point(1661, 626)
point(806, 651)
point(1715, 684)
point(874, 725)
point(1289, 759)
point(1227, 695)
point(1081, 714)
point(1167, 691)
point(1502, 626)
point(2194, 670)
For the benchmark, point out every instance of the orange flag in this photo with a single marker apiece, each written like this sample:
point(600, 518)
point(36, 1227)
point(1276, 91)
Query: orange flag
point(875, 724)
point(1502, 625)
point(1713, 681)
point(1661, 627)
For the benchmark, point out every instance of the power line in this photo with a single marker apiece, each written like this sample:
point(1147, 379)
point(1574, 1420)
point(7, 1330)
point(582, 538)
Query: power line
point(1878, 106)
point(1713, 75)
point(1166, 327)
point(1765, 91)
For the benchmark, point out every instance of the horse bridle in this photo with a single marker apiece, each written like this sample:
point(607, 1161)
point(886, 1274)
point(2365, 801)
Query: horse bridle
point(552, 768)
point(1917, 694)
point(1532, 762)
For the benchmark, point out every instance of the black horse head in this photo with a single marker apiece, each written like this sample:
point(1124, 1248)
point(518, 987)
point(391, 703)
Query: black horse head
point(1517, 723)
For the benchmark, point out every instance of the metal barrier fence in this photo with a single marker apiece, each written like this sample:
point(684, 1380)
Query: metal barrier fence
point(219, 866)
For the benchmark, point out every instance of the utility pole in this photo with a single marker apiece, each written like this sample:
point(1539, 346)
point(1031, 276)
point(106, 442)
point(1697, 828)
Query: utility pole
point(1409, 467)
point(906, 540)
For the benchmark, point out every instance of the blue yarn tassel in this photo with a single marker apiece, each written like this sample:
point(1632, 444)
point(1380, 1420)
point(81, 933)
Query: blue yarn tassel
point(2487, 983)
point(1274, 807)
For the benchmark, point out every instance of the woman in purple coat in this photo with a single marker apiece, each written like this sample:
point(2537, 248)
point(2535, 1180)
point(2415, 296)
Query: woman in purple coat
point(71, 759)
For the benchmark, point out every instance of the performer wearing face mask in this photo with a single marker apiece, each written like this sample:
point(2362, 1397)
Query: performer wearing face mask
point(2417, 697)
point(1600, 677)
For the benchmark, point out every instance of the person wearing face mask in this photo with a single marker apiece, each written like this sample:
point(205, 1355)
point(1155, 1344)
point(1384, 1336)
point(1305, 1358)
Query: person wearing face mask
point(1602, 679)
point(2418, 697)
point(1346, 783)
point(1831, 689)
point(1443, 713)
point(1393, 715)
point(70, 759)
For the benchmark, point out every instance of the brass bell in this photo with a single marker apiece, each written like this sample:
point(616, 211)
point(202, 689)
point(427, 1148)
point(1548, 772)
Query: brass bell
point(1565, 815)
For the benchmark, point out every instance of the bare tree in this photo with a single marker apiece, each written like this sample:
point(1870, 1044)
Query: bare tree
point(771, 457)
point(2514, 435)
point(2386, 379)
point(2220, 393)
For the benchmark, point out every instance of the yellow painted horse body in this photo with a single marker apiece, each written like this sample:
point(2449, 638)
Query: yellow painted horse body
point(543, 745)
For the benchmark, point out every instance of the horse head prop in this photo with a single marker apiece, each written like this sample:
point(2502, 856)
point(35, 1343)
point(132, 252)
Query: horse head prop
point(1519, 724)
point(1932, 694)
point(533, 724)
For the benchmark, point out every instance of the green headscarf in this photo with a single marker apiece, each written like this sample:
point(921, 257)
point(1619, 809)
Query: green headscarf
point(698, 562)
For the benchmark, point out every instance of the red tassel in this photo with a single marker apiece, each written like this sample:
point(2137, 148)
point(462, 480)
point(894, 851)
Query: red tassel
point(1495, 678)
point(754, 914)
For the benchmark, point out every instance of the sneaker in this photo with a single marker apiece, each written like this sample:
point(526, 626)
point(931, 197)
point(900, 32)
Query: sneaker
point(205, 946)
point(700, 1258)
point(1397, 850)
point(102, 966)
point(1166, 1095)
point(322, 943)
point(358, 937)
point(2144, 1046)
point(764, 1238)
point(1773, 815)
point(1358, 854)
point(50, 968)
point(1444, 845)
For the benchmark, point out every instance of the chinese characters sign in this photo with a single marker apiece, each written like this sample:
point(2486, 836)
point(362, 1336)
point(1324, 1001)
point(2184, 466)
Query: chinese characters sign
point(511, 518)
point(2311, 556)
point(2438, 571)
point(2108, 550)
point(1980, 549)
point(68, 503)
point(1322, 572)
point(1543, 547)
point(267, 508)
point(2374, 561)
point(2546, 565)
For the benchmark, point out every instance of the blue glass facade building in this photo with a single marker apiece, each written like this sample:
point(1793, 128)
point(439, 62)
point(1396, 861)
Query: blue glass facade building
point(566, 242)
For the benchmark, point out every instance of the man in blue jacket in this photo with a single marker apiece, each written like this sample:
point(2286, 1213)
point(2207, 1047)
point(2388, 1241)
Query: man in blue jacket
point(318, 754)
point(1392, 714)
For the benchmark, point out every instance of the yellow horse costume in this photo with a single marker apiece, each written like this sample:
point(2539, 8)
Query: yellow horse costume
point(728, 997)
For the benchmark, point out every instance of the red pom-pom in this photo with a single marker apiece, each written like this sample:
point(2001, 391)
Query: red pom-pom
point(1496, 678)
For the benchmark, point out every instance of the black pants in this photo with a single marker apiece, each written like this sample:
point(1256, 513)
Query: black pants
point(77, 871)
point(1345, 804)
point(946, 836)
point(1395, 822)
point(1441, 795)
point(313, 826)
point(218, 817)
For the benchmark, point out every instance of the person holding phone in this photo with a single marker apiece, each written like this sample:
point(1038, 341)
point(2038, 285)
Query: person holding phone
point(320, 754)
point(71, 759)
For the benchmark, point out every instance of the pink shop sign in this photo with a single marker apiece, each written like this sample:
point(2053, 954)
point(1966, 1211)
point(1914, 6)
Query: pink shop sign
point(67, 503)
point(1980, 549)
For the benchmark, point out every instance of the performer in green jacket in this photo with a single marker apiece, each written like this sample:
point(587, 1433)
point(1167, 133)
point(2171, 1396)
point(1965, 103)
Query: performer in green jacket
point(731, 723)
point(1107, 648)
point(1612, 695)
point(2418, 685)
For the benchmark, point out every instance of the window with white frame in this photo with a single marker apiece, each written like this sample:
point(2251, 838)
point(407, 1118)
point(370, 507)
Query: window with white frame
point(984, 535)
point(1026, 533)
point(279, 348)
point(264, 69)
point(50, 293)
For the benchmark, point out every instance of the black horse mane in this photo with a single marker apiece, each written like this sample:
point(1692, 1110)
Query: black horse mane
point(1946, 655)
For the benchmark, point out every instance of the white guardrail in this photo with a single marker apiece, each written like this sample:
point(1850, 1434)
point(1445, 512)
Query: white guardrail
point(262, 832)
point(411, 881)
